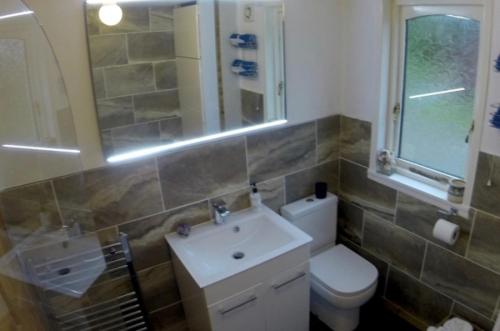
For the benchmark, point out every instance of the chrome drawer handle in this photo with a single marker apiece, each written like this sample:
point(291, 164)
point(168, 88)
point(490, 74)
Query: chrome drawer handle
point(278, 286)
point(226, 311)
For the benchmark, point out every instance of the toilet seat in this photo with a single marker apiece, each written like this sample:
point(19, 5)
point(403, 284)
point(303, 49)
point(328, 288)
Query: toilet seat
point(342, 272)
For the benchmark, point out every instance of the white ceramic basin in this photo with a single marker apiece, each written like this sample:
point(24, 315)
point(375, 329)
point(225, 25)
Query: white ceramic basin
point(250, 237)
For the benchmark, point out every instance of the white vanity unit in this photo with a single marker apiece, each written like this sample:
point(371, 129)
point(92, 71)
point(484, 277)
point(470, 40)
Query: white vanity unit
point(249, 274)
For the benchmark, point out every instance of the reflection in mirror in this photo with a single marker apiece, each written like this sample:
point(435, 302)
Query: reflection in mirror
point(36, 123)
point(170, 71)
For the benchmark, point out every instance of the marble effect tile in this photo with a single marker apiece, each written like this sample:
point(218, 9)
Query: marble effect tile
point(484, 247)
point(166, 75)
point(252, 107)
point(234, 201)
point(279, 152)
point(417, 298)
point(158, 286)
point(92, 16)
point(395, 245)
point(301, 184)
point(356, 187)
point(328, 138)
point(462, 280)
point(162, 18)
point(146, 236)
point(350, 222)
point(151, 46)
point(171, 130)
point(479, 321)
point(108, 50)
point(114, 194)
point(158, 105)
point(420, 218)
point(135, 136)
point(207, 171)
point(483, 197)
point(115, 112)
point(171, 318)
point(355, 140)
point(273, 193)
point(98, 83)
point(129, 79)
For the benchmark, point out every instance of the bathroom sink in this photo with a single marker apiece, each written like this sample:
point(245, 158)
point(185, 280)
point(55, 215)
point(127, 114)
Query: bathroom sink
point(248, 238)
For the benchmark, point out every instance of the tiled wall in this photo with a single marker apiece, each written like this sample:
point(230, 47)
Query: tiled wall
point(147, 198)
point(252, 107)
point(423, 279)
point(134, 75)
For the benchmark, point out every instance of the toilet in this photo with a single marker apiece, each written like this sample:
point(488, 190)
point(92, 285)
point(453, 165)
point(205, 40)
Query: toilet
point(341, 280)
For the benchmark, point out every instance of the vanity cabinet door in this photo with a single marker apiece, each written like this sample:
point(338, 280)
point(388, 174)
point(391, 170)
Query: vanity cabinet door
point(287, 300)
point(241, 312)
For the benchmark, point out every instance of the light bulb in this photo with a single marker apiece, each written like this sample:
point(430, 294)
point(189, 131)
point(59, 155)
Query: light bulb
point(110, 14)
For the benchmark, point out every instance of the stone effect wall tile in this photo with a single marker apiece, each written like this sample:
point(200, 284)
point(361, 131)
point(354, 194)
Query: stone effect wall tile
point(135, 19)
point(391, 243)
point(417, 298)
point(301, 184)
point(202, 172)
point(166, 75)
point(485, 197)
point(162, 17)
point(150, 46)
point(115, 112)
point(156, 105)
point(129, 79)
point(484, 246)
point(146, 236)
point(420, 218)
point(328, 138)
point(462, 280)
point(479, 321)
point(252, 108)
point(108, 50)
point(135, 136)
point(350, 222)
point(273, 193)
point(355, 140)
point(279, 152)
point(158, 286)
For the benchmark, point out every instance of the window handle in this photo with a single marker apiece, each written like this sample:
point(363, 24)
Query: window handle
point(471, 130)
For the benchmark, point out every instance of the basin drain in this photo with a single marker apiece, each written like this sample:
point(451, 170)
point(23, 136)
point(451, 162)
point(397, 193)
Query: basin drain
point(238, 255)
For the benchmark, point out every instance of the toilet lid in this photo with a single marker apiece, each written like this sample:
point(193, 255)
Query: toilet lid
point(343, 271)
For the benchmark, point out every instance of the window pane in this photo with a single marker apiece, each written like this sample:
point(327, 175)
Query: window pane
point(440, 77)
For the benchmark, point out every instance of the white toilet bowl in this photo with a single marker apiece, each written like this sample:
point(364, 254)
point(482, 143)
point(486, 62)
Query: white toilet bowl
point(341, 282)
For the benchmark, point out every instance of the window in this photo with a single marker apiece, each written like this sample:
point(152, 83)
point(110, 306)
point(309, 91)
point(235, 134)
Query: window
point(436, 94)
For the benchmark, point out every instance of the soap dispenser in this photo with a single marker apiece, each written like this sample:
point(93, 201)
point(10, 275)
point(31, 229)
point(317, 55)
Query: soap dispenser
point(255, 198)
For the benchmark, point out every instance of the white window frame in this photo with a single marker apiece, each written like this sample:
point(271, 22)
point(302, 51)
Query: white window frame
point(388, 125)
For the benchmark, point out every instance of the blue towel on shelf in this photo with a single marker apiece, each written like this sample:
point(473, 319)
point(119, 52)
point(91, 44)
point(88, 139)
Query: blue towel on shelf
point(245, 68)
point(248, 41)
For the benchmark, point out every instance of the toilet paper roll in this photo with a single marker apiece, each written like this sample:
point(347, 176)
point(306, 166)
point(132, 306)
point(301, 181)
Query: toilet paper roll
point(446, 232)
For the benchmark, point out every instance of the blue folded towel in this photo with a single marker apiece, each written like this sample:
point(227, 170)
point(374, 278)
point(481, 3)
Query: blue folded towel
point(248, 41)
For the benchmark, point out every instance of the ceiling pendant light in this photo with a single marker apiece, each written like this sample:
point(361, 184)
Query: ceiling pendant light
point(110, 14)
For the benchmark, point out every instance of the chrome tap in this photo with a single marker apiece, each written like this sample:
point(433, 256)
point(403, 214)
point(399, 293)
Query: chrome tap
point(221, 213)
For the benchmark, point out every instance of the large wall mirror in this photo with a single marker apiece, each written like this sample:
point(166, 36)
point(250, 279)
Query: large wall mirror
point(166, 71)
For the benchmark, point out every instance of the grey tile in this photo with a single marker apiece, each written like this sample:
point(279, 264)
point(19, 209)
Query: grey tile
point(171, 318)
point(416, 298)
point(151, 46)
point(98, 83)
point(420, 218)
point(484, 247)
point(252, 107)
point(234, 201)
point(462, 280)
point(279, 152)
point(136, 136)
point(479, 321)
point(129, 79)
point(115, 112)
point(108, 50)
point(135, 19)
point(158, 105)
point(356, 187)
point(106, 142)
point(206, 171)
point(355, 137)
point(171, 129)
point(486, 197)
point(162, 17)
point(273, 193)
point(166, 75)
point(158, 286)
point(115, 194)
point(301, 184)
point(328, 138)
point(28, 208)
point(146, 236)
point(350, 221)
point(92, 16)
point(393, 244)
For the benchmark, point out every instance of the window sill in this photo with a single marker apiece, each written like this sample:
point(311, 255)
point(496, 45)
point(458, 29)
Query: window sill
point(419, 190)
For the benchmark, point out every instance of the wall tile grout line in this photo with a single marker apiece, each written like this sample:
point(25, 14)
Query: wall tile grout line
point(157, 166)
point(56, 200)
point(424, 258)
point(471, 233)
